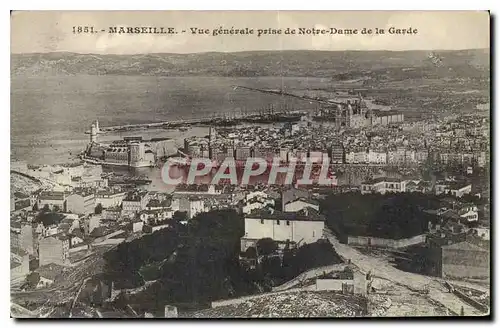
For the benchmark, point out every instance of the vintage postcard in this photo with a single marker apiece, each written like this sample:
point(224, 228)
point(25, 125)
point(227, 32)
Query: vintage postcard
point(250, 164)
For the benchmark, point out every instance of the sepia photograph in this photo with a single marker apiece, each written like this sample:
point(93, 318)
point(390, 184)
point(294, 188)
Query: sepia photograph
point(250, 164)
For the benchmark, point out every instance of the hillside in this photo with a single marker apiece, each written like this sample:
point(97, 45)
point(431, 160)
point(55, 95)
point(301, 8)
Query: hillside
point(290, 305)
point(257, 63)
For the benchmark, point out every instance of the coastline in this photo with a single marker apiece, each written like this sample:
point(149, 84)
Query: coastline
point(255, 118)
point(112, 164)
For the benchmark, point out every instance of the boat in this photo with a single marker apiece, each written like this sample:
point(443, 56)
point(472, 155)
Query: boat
point(273, 118)
point(126, 180)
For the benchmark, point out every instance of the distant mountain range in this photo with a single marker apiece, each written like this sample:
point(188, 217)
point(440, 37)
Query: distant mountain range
point(239, 64)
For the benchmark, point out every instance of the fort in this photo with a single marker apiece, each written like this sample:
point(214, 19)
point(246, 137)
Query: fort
point(129, 151)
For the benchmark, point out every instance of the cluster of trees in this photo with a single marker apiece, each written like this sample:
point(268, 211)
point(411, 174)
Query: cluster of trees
point(197, 263)
point(49, 218)
point(274, 270)
point(123, 264)
point(392, 216)
point(192, 263)
point(98, 209)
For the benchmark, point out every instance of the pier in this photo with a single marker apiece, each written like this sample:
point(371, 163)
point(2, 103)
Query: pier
point(222, 119)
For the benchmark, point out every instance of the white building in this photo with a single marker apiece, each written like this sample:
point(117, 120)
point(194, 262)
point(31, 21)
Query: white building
point(317, 156)
point(410, 157)
point(81, 202)
point(175, 205)
point(76, 170)
point(159, 227)
point(256, 204)
point(383, 185)
point(155, 215)
point(469, 213)
point(75, 240)
point(202, 189)
point(377, 157)
point(357, 157)
point(44, 282)
point(109, 199)
point(192, 206)
point(19, 264)
point(54, 249)
point(481, 158)
point(397, 156)
point(303, 227)
point(156, 204)
point(112, 214)
point(22, 237)
point(255, 194)
point(300, 204)
point(137, 225)
point(91, 223)
point(454, 188)
point(256, 200)
point(482, 232)
point(68, 224)
point(54, 200)
point(50, 230)
point(421, 156)
point(135, 202)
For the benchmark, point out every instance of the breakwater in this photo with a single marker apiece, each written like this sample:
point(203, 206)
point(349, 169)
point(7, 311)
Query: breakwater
point(220, 120)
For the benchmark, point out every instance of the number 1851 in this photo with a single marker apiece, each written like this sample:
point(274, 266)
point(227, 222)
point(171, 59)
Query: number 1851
point(83, 29)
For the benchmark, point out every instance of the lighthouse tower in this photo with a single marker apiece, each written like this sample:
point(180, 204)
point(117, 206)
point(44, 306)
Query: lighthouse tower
point(93, 133)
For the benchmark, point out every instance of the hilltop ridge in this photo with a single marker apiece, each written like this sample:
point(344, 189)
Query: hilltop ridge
point(239, 64)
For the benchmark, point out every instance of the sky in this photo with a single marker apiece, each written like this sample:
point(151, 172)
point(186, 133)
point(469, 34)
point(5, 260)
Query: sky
point(51, 31)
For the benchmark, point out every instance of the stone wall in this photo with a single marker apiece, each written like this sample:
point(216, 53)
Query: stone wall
point(332, 284)
point(387, 243)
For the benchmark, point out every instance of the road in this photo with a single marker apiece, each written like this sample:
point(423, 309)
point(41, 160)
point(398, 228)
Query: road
point(467, 284)
point(437, 291)
point(75, 299)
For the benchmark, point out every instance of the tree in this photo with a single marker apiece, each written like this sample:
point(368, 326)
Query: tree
point(313, 255)
point(266, 246)
point(251, 253)
point(32, 279)
point(35, 207)
point(98, 209)
point(386, 216)
point(46, 208)
point(197, 262)
point(180, 216)
point(121, 300)
point(49, 218)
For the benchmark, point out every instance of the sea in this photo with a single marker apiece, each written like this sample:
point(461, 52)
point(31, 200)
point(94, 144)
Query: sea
point(50, 114)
